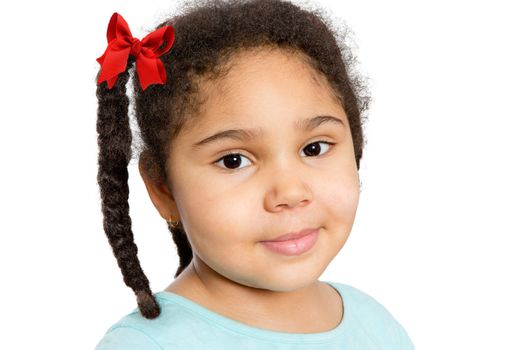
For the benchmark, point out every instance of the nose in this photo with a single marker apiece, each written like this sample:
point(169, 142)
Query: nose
point(288, 189)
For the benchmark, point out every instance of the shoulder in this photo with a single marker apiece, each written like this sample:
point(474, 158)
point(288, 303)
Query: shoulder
point(126, 338)
point(133, 331)
point(373, 318)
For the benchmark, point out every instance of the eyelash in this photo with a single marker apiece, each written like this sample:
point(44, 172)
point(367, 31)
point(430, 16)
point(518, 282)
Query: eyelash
point(240, 154)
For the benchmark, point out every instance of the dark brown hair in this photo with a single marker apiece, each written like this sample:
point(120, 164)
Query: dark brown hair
point(207, 35)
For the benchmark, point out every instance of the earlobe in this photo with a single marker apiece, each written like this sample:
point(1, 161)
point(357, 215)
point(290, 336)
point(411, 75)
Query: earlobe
point(160, 196)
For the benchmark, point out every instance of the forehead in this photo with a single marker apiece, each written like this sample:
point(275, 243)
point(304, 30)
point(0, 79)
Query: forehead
point(256, 70)
point(262, 82)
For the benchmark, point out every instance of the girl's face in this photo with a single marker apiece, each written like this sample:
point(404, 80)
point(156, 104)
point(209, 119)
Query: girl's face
point(285, 176)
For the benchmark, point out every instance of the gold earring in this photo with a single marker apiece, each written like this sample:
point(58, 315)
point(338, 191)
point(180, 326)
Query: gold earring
point(171, 224)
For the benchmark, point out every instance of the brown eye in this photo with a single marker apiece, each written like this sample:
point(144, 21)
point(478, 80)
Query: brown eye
point(313, 149)
point(231, 161)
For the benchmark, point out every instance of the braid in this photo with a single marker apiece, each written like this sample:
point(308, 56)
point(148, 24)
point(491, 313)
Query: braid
point(114, 141)
point(183, 247)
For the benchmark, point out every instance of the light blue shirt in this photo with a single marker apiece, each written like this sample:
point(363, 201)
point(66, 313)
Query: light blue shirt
point(184, 324)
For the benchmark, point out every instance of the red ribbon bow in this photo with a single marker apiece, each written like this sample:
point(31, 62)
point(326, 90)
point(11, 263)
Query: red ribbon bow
point(146, 51)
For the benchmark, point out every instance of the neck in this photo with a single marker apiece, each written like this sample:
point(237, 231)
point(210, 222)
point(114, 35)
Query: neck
point(267, 309)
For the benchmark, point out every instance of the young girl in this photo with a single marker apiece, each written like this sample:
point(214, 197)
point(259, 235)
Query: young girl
point(252, 136)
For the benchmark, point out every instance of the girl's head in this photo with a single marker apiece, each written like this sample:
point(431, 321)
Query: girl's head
point(256, 133)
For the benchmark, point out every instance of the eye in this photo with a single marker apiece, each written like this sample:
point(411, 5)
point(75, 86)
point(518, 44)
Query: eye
point(232, 161)
point(313, 149)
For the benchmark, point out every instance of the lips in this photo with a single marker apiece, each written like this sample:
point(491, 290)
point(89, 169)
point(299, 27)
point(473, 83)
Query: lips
point(293, 244)
point(292, 235)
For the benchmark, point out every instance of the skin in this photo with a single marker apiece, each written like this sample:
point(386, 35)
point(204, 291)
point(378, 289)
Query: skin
point(276, 189)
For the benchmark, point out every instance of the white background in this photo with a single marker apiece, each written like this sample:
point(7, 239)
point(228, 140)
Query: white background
point(439, 233)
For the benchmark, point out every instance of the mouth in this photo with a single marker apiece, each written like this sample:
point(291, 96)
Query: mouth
point(292, 235)
point(294, 243)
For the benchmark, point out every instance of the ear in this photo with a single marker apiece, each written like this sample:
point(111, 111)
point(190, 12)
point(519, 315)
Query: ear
point(160, 195)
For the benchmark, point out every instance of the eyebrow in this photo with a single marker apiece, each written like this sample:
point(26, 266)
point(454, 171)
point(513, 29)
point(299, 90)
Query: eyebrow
point(247, 134)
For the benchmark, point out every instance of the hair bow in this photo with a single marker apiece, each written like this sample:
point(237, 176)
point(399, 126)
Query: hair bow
point(147, 51)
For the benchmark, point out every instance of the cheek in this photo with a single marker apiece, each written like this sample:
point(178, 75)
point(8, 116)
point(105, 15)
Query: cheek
point(216, 215)
point(220, 230)
point(339, 195)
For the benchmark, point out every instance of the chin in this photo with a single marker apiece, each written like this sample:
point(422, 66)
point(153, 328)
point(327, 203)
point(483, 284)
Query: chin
point(284, 282)
point(290, 286)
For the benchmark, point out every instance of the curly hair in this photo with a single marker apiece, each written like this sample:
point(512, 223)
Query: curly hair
point(208, 35)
